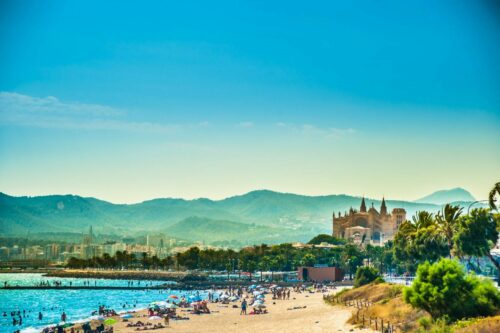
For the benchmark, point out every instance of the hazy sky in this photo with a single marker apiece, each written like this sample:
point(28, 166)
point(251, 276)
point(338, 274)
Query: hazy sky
point(128, 102)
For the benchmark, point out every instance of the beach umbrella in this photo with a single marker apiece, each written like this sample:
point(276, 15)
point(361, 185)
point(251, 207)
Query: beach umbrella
point(259, 306)
point(256, 293)
point(155, 318)
point(67, 325)
point(195, 298)
point(171, 306)
point(233, 298)
point(127, 316)
point(224, 296)
point(110, 321)
point(260, 296)
point(100, 318)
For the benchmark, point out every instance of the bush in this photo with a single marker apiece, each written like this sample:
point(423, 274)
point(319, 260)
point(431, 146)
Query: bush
point(425, 323)
point(324, 238)
point(365, 275)
point(445, 291)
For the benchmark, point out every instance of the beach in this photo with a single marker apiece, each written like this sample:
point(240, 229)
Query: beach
point(314, 315)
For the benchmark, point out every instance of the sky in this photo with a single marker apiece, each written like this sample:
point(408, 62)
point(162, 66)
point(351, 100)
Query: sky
point(129, 101)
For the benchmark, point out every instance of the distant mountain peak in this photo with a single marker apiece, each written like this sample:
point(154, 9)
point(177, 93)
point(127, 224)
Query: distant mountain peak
point(447, 196)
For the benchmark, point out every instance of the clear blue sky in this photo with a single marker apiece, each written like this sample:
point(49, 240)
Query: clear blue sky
point(131, 101)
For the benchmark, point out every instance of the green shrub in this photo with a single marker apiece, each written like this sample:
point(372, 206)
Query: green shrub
point(365, 275)
point(324, 238)
point(446, 292)
point(425, 323)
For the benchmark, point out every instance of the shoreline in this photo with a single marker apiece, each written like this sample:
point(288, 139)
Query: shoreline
point(119, 275)
point(182, 280)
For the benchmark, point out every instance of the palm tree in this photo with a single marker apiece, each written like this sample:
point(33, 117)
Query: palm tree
point(447, 222)
point(263, 265)
point(423, 219)
point(493, 193)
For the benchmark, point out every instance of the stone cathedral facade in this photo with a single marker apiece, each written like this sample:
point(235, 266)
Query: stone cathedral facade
point(372, 226)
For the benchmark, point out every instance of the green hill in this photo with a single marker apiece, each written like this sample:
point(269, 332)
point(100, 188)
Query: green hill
point(294, 217)
point(208, 230)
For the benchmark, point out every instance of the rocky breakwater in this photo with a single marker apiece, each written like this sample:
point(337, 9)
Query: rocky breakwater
point(119, 274)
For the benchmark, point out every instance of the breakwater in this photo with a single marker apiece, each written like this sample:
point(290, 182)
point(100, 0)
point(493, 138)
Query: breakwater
point(119, 275)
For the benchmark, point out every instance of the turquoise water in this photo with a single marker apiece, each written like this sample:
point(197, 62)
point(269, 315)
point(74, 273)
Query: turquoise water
point(77, 304)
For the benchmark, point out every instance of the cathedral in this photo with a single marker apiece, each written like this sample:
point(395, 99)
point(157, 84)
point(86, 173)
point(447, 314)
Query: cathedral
point(369, 225)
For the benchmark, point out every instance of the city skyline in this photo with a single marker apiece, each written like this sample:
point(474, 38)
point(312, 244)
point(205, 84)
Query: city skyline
point(197, 100)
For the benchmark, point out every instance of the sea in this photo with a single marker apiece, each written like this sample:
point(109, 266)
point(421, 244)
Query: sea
point(78, 304)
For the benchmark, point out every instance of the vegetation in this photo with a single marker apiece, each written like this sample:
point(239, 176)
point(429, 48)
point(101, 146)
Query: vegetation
point(491, 196)
point(442, 295)
point(387, 303)
point(365, 275)
point(329, 239)
point(477, 234)
point(445, 291)
point(283, 257)
point(428, 237)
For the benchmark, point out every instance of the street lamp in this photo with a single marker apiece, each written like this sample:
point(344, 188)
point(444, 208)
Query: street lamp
point(475, 202)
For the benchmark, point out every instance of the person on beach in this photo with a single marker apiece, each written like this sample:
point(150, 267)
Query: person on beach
point(63, 317)
point(40, 316)
point(167, 320)
point(243, 307)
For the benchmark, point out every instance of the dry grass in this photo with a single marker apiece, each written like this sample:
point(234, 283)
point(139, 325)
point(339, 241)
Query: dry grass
point(482, 325)
point(372, 292)
point(394, 311)
point(388, 305)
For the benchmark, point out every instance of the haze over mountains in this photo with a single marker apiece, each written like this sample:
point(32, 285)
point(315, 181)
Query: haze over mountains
point(445, 196)
point(257, 216)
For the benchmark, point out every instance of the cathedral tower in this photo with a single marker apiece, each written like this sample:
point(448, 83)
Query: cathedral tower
point(362, 209)
point(383, 207)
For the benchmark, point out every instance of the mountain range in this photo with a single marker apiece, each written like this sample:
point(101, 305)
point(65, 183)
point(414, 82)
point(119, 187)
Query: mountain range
point(257, 216)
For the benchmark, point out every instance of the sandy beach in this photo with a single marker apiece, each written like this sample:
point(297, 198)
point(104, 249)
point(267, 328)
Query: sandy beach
point(317, 316)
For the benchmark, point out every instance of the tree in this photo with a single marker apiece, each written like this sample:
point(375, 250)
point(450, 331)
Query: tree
point(324, 238)
point(445, 291)
point(167, 262)
point(419, 241)
point(308, 259)
point(351, 257)
point(477, 234)
point(365, 275)
point(263, 265)
point(491, 197)
point(447, 222)
point(251, 267)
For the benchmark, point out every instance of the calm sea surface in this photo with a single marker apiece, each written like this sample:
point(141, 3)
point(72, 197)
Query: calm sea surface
point(78, 304)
